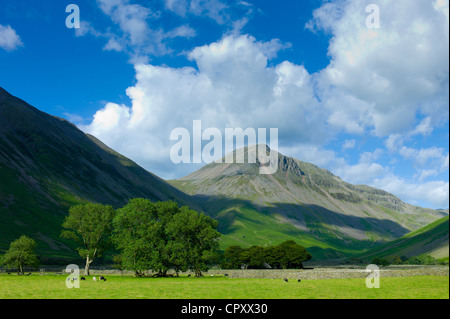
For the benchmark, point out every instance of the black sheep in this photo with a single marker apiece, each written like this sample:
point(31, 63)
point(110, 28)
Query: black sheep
point(285, 279)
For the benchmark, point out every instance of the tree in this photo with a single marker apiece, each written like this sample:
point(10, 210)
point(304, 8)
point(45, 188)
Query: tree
point(380, 261)
point(254, 257)
point(294, 255)
point(274, 255)
point(118, 263)
point(21, 253)
point(396, 260)
point(193, 240)
point(139, 233)
point(160, 236)
point(285, 255)
point(89, 225)
point(233, 257)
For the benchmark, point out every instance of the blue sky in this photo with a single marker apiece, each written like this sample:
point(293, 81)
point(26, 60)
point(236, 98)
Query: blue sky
point(369, 104)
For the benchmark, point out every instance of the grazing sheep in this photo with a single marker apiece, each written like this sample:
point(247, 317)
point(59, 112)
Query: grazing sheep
point(299, 280)
point(189, 275)
point(285, 279)
point(82, 278)
point(94, 279)
point(226, 275)
point(101, 278)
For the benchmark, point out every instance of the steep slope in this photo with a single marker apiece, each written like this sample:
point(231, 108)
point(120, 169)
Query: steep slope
point(303, 202)
point(47, 165)
point(430, 240)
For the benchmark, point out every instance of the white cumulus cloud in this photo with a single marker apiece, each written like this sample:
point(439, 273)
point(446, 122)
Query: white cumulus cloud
point(9, 40)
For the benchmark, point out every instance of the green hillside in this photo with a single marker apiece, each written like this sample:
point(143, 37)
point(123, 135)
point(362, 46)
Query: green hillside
point(430, 240)
point(47, 164)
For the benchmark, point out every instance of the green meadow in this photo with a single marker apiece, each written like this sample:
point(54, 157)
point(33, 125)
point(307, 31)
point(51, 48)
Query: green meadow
point(118, 287)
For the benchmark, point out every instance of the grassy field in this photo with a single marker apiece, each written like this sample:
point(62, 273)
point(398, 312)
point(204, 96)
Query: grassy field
point(117, 287)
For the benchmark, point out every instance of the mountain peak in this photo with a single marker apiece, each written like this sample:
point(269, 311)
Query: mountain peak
point(309, 197)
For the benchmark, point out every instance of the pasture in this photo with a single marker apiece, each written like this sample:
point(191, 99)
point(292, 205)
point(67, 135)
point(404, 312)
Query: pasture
point(127, 287)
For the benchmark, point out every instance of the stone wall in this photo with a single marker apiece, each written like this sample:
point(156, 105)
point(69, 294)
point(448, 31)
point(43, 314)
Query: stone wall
point(329, 273)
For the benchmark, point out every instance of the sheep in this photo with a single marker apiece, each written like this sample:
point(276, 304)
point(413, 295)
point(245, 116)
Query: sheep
point(102, 278)
point(82, 278)
point(285, 279)
point(94, 279)
point(226, 275)
point(299, 280)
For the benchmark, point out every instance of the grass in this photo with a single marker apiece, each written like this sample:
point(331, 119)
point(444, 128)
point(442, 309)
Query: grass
point(413, 242)
point(117, 287)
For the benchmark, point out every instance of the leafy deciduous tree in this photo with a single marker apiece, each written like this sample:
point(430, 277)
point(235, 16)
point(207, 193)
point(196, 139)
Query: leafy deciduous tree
point(160, 236)
point(89, 225)
point(21, 253)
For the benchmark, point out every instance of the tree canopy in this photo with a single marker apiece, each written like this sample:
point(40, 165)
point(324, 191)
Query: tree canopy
point(160, 236)
point(89, 225)
point(288, 254)
point(21, 253)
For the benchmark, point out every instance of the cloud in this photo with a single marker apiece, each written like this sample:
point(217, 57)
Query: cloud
point(388, 74)
point(183, 31)
point(135, 30)
point(86, 28)
point(135, 33)
point(232, 87)
point(432, 194)
point(213, 9)
point(348, 144)
point(9, 40)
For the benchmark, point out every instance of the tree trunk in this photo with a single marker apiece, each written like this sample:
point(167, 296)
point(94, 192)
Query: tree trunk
point(198, 273)
point(86, 268)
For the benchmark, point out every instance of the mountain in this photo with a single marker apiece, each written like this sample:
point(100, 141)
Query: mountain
point(302, 202)
point(47, 164)
point(430, 240)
